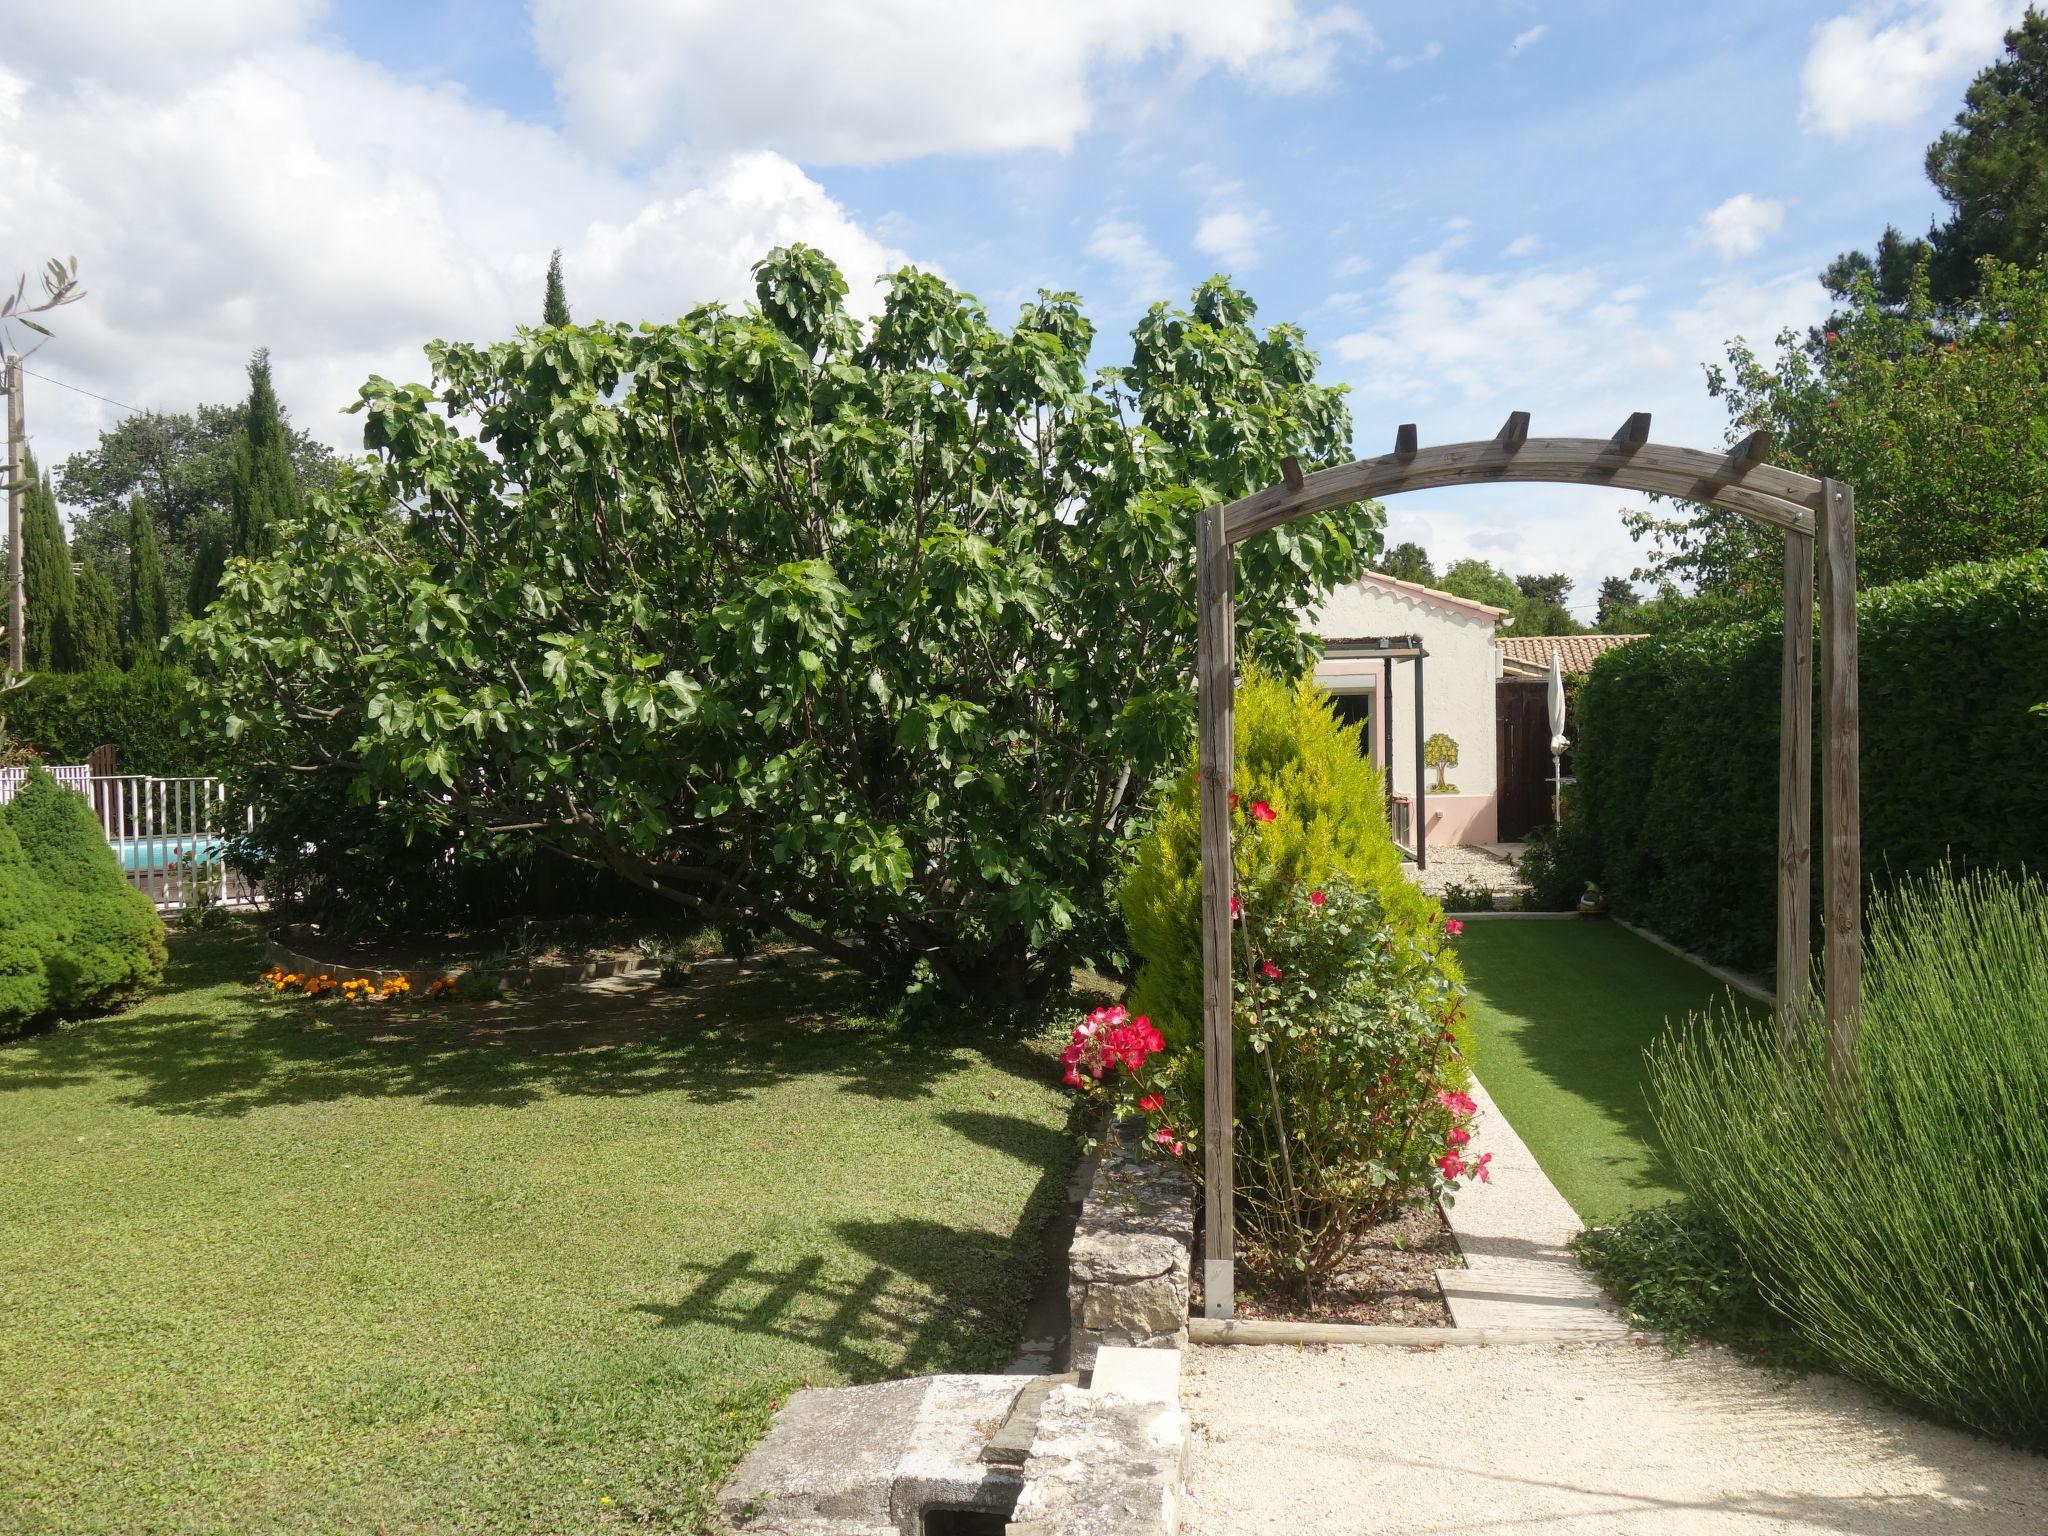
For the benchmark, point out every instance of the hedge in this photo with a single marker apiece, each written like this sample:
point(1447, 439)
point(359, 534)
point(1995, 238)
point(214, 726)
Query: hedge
point(1677, 755)
point(75, 937)
point(64, 715)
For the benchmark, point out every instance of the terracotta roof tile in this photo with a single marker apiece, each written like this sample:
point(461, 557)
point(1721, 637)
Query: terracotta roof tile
point(1449, 600)
point(1576, 652)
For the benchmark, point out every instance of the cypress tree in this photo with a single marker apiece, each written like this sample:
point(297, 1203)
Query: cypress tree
point(265, 491)
point(148, 618)
point(95, 622)
point(554, 308)
point(209, 559)
point(46, 584)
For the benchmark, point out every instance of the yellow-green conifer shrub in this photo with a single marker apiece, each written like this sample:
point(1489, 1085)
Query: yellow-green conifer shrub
point(1329, 820)
point(111, 942)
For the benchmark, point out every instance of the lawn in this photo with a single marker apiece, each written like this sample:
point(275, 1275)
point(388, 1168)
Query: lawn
point(272, 1265)
point(1561, 1012)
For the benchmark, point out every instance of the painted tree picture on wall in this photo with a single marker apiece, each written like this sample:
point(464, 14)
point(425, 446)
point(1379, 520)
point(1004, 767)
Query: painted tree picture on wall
point(1440, 752)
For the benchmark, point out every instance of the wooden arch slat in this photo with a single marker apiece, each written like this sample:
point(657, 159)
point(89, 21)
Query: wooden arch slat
point(1763, 491)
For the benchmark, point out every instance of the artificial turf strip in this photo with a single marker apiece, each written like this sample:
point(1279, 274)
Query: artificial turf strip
point(271, 1265)
point(1561, 1012)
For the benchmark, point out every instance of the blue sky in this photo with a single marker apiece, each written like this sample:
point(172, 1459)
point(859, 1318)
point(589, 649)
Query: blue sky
point(1564, 208)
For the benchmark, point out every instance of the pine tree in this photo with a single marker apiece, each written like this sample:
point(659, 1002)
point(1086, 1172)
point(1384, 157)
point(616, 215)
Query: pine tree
point(209, 559)
point(554, 308)
point(1409, 562)
point(265, 491)
point(46, 583)
point(95, 622)
point(1619, 602)
point(148, 618)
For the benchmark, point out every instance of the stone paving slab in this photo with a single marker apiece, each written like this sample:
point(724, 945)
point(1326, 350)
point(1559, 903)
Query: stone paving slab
point(847, 1461)
point(1109, 1459)
point(1515, 1232)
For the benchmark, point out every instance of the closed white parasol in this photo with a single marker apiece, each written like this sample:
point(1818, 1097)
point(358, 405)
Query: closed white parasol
point(1558, 742)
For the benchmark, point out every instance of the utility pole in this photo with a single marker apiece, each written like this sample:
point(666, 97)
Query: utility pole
point(17, 656)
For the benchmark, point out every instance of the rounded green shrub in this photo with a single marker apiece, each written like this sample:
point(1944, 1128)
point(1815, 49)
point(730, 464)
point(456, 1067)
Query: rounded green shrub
point(26, 937)
point(109, 942)
point(1901, 1227)
point(1330, 821)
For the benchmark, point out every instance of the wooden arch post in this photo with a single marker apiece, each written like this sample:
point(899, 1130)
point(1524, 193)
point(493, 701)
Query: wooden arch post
point(1818, 518)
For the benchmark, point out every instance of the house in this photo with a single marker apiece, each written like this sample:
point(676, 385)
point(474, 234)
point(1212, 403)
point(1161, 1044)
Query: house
point(1373, 630)
point(1492, 742)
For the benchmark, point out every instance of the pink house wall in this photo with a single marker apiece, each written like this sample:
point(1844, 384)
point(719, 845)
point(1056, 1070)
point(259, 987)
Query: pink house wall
point(1462, 819)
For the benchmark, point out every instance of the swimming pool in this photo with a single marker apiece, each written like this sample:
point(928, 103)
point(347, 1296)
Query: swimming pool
point(150, 854)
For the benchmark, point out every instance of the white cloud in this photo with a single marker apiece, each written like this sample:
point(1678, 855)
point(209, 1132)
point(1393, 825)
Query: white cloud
point(1127, 247)
point(1523, 245)
point(823, 80)
point(1529, 38)
point(124, 39)
point(1566, 342)
point(1740, 226)
point(1232, 236)
point(1454, 349)
point(1883, 62)
point(301, 199)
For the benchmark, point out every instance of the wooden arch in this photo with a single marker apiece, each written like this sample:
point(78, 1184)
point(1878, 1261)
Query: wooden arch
point(1739, 480)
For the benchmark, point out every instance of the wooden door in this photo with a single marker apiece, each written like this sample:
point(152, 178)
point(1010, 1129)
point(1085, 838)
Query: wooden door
point(1522, 755)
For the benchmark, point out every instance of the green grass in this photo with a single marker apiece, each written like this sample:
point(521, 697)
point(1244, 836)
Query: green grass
point(1561, 1012)
point(268, 1265)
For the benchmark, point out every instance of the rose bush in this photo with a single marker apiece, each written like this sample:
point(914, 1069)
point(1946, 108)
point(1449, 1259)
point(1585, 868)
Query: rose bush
point(1109, 1059)
point(1350, 1021)
point(1347, 1100)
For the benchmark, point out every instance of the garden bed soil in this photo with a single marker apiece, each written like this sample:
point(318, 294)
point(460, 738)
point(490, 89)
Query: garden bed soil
point(1390, 1278)
point(518, 954)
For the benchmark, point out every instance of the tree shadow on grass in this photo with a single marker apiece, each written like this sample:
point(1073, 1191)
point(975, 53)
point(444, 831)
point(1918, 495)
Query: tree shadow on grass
point(210, 1045)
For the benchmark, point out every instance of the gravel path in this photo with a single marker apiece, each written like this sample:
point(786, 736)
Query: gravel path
point(1574, 1439)
point(1471, 867)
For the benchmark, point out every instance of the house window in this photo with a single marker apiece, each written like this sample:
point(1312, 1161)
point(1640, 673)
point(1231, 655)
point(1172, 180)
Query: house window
point(1356, 709)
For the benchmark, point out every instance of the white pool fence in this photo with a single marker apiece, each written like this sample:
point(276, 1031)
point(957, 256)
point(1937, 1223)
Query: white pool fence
point(169, 833)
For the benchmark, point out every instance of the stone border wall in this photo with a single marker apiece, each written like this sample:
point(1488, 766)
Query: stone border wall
point(1132, 1258)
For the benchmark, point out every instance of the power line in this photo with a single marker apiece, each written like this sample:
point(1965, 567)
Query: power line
point(123, 404)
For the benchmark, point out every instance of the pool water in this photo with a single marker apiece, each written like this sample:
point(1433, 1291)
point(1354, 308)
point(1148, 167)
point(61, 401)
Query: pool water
point(158, 853)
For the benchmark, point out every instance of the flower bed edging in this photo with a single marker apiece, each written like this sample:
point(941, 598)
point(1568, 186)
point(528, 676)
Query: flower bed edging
point(1130, 1266)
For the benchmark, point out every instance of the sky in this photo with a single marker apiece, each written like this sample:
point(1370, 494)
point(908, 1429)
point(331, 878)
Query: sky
point(1471, 208)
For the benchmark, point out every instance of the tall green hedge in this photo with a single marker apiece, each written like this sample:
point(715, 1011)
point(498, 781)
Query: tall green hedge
point(75, 938)
point(64, 715)
point(1677, 754)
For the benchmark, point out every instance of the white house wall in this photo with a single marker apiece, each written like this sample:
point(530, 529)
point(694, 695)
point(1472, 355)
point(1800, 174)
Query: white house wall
point(1458, 687)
